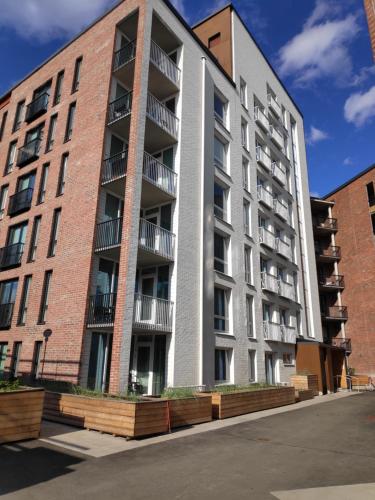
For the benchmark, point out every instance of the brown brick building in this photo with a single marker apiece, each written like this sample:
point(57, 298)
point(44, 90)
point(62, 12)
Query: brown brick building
point(370, 13)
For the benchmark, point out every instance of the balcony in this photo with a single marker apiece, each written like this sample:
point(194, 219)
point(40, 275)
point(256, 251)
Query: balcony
point(276, 137)
point(162, 126)
point(281, 209)
point(340, 343)
point(328, 254)
point(269, 282)
point(119, 112)
point(283, 248)
point(37, 107)
point(265, 196)
point(164, 75)
point(286, 290)
point(108, 237)
point(123, 63)
point(274, 105)
point(260, 118)
point(267, 238)
point(335, 313)
point(276, 332)
point(155, 243)
point(263, 158)
point(333, 282)
point(20, 202)
point(324, 224)
point(6, 315)
point(152, 313)
point(114, 171)
point(279, 172)
point(161, 181)
point(11, 255)
point(101, 311)
point(29, 152)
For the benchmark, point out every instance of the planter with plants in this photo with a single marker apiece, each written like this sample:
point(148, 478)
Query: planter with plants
point(305, 380)
point(232, 400)
point(20, 411)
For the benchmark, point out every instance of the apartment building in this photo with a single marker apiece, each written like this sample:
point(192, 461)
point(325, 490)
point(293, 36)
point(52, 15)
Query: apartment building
point(370, 13)
point(156, 227)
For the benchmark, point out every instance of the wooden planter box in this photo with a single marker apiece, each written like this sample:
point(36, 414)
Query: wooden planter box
point(304, 394)
point(231, 404)
point(126, 418)
point(305, 382)
point(20, 414)
point(360, 380)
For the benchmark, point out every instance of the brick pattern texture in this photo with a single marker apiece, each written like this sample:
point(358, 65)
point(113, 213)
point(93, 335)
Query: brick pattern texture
point(370, 12)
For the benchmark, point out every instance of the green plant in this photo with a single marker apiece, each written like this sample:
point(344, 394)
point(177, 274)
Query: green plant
point(303, 372)
point(178, 393)
point(242, 388)
point(351, 372)
point(9, 385)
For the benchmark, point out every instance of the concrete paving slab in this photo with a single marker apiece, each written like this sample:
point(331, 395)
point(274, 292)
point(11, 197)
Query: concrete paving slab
point(347, 492)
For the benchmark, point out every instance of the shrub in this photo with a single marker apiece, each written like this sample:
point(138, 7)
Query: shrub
point(9, 385)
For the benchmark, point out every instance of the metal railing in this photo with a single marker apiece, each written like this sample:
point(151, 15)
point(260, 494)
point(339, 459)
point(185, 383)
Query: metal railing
point(269, 282)
point(265, 196)
point(277, 332)
point(159, 174)
point(152, 313)
point(279, 172)
point(267, 238)
point(114, 167)
point(156, 239)
point(120, 107)
point(263, 158)
point(325, 223)
point(20, 201)
point(6, 314)
point(164, 63)
point(11, 255)
point(29, 152)
point(162, 116)
point(286, 290)
point(276, 136)
point(274, 104)
point(108, 234)
point(288, 334)
point(124, 55)
point(281, 209)
point(37, 107)
point(283, 248)
point(102, 309)
point(334, 281)
point(260, 117)
point(336, 312)
point(341, 343)
point(330, 251)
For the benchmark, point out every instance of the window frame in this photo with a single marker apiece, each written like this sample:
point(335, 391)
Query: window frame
point(3, 124)
point(35, 231)
point(62, 174)
point(44, 301)
point(25, 295)
point(252, 366)
point(3, 199)
point(77, 74)
point(18, 119)
point(222, 318)
point(58, 87)
point(10, 164)
point(43, 184)
point(250, 329)
point(225, 260)
point(55, 226)
point(70, 121)
point(228, 356)
point(51, 132)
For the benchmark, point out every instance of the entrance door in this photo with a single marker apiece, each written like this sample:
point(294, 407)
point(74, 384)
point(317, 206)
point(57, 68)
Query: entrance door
point(143, 367)
point(148, 290)
point(148, 365)
point(270, 368)
point(99, 365)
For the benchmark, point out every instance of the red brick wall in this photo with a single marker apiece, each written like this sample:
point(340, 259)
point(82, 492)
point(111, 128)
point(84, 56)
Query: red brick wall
point(370, 12)
point(358, 267)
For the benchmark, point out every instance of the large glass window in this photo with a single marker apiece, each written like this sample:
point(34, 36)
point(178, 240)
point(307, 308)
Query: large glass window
point(246, 217)
point(222, 365)
point(250, 316)
point(252, 365)
point(16, 354)
point(247, 259)
point(58, 88)
point(220, 201)
point(70, 122)
point(77, 74)
point(24, 300)
point(51, 133)
point(11, 157)
point(221, 253)
point(220, 108)
point(54, 232)
point(221, 310)
point(45, 297)
point(3, 199)
point(220, 154)
point(62, 174)
point(34, 238)
point(20, 111)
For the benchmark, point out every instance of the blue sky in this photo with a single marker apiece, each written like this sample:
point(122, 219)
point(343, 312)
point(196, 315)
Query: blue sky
point(320, 48)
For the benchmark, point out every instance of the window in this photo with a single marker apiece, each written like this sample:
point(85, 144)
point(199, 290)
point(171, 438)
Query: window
point(34, 238)
point(3, 357)
point(245, 174)
point(43, 184)
point(247, 262)
point(8, 291)
point(62, 174)
point(250, 317)
point(221, 310)
point(243, 93)
point(51, 133)
point(2, 126)
point(16, 354)
point(220, 201)
point(219, 154)
point(370, 194)
point(17, 235)
point(37, 357)
point(295, 285)
point(246, 217)
point(70, 122)
point(24, 301)
point(252, 366)
point(11, 157)
point(35, 134)
point(214, 40)
point(298, 323)
point(77, 75)
point(19, 115)
point(45, 297)
point(58, 88)
point(3, 199)
point(223, 359)
point(220, 109)
point(54, 232)
point(288, 359)
point(244, 134)
point(221, 244)
point(373, 223)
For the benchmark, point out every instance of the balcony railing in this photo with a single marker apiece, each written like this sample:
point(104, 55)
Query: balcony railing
point(156, 239)
point(267, 238)
point(164, 63)
point(20, 201)
point(333, 281)
point(269, 282)
point(281, 209)
point(6, 314)
point(102, 309)
point(286, 290)
point(261, 118)
point(336, 312)
point(331, 251)
point(265, 196)
point(108, 234)
point(120, 107)
point(273, 104)
point(279, 333)
point(29, 152)
point(263, 158)
point(284, 249)
point(11, 255)
point(162, 116)
point(279, 172)
point(114, 167)
point(276, 136)
point(37, 107)
point(159, 174)
point(124, 55)
point(341, 343)
point(152, 313)
point(325, 223)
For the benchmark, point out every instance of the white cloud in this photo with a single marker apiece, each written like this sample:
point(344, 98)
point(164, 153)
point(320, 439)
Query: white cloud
point(359, 108)
point(314, 194)
point(316, 135)
point(348, 161)
point(50, 19)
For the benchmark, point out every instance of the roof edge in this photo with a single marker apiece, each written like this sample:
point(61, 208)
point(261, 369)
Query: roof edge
point(342, 186)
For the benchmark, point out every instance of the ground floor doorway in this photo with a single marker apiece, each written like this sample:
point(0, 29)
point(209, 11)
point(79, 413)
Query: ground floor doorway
point(100, 360)
point(148, 364)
